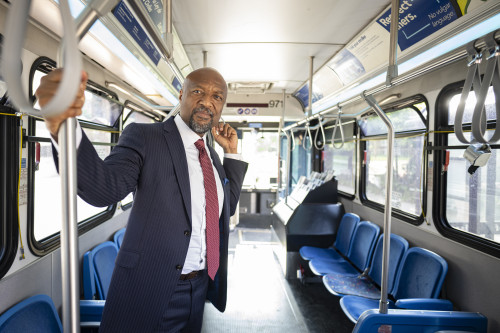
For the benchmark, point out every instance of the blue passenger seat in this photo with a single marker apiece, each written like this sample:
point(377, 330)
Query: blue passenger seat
point(118, 237)
point(369, 285)
point(98, 267)
point(360, 253)
point(34, 314)
point(342, 241)
point(418, 285)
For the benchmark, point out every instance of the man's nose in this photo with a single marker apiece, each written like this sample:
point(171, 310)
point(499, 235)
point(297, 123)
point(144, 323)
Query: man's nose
point(205, 101)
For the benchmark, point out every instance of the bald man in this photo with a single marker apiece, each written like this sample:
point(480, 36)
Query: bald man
point(174, 253)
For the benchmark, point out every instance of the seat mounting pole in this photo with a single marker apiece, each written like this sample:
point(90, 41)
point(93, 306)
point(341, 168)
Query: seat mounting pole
point(388, 196)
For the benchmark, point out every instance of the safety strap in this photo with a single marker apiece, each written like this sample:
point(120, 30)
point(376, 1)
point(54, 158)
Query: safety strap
point(307, 134)
point(322, 133)
point(473, 80)
point(491, 75)
point(338, 123)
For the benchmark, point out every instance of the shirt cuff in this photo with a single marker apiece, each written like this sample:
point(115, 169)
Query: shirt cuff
point(233, 156)
point(78, 138)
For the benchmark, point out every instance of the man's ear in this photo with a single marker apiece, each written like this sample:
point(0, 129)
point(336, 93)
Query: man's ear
point(180, 95)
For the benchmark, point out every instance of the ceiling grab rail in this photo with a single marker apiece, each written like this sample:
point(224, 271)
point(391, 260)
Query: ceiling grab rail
point(306, 135)
point(338, 123)
point(322, 133)
point(388, 201)
point(15, 32)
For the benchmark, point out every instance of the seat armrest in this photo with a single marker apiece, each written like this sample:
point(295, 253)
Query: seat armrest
point(425, 304)
point(91, 310)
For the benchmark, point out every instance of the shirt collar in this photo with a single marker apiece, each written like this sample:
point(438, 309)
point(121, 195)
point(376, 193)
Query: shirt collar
point(188, 136)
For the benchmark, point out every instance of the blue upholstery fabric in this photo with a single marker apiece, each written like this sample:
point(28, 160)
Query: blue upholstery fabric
point(360, 252)
point(339, 284)
point(421, 276)
point(323, 266)
point(35, 314)
point(342, 241)
point(118, 237)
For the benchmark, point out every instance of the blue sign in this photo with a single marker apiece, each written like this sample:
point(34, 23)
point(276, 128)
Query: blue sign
point(155, 11)
point(176, 84)
point(129, 22)
point(240, 111)
point(419, 19)
point(303, 95)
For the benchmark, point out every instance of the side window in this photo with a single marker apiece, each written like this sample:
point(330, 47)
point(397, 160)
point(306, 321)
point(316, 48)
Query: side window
point(342, 160)
point(257, 147)
point(301, 159)
point(98, 121)
point(409, 122)
point(469, 205)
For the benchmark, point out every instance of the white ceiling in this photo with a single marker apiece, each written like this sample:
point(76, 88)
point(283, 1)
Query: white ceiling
point(269, 40)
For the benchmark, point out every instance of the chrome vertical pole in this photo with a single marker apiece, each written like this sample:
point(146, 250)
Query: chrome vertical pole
point(392, 70)
point(205, 58)
point(281, 125)
point(311, 72)
point(70, 264)
point(388, 196)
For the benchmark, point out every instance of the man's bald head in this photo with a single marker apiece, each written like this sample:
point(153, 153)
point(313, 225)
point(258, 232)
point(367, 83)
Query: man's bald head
point(202, 98)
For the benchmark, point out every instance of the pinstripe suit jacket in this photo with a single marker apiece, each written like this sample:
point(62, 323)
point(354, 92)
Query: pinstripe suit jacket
point(151, 160)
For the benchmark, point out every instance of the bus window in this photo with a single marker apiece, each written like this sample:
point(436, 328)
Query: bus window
point(470, 208)
point(408, 173)
point(260, 149)
point(44, 190)
point(342, 160)
point(301, 159)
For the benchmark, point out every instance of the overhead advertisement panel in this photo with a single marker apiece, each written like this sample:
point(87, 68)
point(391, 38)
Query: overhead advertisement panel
point(130, 23)
point(369, 50)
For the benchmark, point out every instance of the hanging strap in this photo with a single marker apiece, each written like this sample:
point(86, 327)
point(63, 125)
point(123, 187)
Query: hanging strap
point(338, 123)
point(491, 75)
point(307, 134)
point(473, 80)
point(293, 140)
point(322, 133)
point(15, 31)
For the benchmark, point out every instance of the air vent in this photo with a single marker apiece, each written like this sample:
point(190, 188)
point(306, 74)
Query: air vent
point(249, 87)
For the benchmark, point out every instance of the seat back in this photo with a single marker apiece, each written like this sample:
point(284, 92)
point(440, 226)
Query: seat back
point(345, 232)
point(398, 248)
point(362, 244)
point(118, 237)
point(421, 275)
point(98, 265)
point(35, 314)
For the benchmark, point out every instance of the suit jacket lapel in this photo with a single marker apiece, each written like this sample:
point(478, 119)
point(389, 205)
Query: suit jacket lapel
point(178, 155)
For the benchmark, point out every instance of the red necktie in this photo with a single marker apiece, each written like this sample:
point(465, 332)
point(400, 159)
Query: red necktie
point(211, 210)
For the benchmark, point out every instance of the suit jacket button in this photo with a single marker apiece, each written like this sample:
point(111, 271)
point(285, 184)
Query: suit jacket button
point(186, 232)
point(178, 267)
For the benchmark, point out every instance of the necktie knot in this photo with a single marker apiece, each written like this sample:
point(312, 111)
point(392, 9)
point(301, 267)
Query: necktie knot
point(200, 144)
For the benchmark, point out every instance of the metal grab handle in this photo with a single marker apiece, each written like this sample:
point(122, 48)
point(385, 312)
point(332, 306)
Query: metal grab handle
point(316, 136)
point(15, 31)
point(338, 123)
point(293, 140)
point(308, 134)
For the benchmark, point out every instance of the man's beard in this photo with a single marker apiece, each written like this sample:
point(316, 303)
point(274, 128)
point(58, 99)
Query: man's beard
point(201, 128)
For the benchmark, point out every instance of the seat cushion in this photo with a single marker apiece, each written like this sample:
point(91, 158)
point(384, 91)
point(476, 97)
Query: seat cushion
point(354, 306)
point(340, 285)
point(311, 252)
point(324, 266)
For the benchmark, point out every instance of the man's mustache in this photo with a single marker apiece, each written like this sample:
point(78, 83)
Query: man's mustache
point(203, 109)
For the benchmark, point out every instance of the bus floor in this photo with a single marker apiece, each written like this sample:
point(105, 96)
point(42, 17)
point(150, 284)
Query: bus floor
point(261, 300)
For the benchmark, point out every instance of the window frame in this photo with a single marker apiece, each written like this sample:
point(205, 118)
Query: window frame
point(398, 213)
point(9, 226)
point(49, 244)
point(440, 181)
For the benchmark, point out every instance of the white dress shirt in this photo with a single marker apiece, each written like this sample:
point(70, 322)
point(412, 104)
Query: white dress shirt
point(197, 251)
